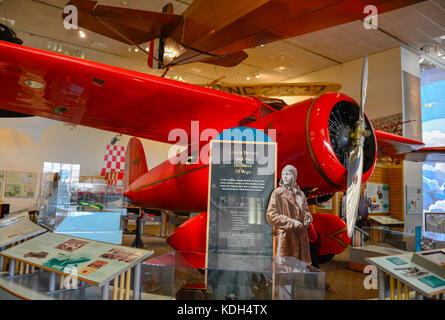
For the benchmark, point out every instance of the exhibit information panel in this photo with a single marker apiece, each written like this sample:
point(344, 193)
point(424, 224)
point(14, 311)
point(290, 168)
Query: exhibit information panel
point(20, 184)
point(16, 228)
point(423, 271)
point(242, 178)
point(240, 186)
point(92, 261)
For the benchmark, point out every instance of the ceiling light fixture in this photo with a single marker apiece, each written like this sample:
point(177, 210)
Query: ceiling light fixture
point(82, 34)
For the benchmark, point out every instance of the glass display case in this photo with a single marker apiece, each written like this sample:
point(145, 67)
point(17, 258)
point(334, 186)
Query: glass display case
point(175, 275)
point(86, 210)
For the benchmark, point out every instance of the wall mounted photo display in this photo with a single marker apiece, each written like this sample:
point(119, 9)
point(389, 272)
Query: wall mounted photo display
point(378, 197)
point(20, 184)
point(414, 199)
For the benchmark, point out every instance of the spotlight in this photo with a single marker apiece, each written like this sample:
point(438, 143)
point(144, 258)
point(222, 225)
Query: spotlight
point(82, 34)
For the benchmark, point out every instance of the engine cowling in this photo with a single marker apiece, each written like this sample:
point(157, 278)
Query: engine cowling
point(315, 136)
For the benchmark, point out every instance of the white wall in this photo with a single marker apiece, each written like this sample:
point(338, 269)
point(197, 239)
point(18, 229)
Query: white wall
point(412, 171)
point(47, 140)
point(384, 95)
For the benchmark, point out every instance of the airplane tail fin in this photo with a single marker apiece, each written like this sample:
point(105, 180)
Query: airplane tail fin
point(135, 162)
point(156, 57)
point(156, 50)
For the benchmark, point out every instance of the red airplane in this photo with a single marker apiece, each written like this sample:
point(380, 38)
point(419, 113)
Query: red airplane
point(313, 135)
point(217, 31)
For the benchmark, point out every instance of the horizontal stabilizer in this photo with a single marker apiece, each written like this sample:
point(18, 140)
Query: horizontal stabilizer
point(230, 60)
point(136, 25)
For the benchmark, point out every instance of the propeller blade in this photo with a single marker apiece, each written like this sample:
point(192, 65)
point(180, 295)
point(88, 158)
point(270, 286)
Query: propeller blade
point(364, 87)
point(355, 163)
point(355, 172)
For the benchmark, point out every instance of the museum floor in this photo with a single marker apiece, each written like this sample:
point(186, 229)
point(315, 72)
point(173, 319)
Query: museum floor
point(342, 283)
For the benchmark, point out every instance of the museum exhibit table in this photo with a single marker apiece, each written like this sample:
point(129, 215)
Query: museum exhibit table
point(182, 275)
point(72, 268)
point(380, 223)
point(423, 272)
point(14, 229)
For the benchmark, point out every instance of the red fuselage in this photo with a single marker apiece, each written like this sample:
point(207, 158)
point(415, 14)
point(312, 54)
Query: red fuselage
point(303, 140)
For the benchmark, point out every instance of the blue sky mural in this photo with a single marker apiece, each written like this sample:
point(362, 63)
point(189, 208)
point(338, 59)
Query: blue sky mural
point(433, 126)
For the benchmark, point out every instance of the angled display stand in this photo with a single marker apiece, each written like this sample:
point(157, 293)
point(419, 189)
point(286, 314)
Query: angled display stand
point(14, 229)
point(423, 272)
point(73, 268)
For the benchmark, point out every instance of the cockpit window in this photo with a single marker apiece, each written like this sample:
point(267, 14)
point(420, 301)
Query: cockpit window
point(276, 104)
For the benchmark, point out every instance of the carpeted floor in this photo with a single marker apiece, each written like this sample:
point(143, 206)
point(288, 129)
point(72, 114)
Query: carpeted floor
point(342, 283)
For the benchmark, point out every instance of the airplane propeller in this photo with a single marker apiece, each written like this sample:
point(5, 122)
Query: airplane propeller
point(355, 163)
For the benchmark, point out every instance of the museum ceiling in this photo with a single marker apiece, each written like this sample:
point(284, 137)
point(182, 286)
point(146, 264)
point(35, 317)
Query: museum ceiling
point(39, 24)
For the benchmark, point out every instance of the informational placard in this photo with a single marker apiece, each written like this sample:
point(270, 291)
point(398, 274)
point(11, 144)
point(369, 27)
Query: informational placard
point(16, 228)
point(386, 220)
point(414, 199)
point(378, 197)
point(92, 261)
point(242, 178)
point(20, 184)
point(411, 271)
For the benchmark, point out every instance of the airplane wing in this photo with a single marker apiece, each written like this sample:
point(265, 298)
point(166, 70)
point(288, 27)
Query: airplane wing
point(138, 25)
point(280, 89)
point(407, 149)
point(77, 91)
point(393, 145)
point(428, 154)
point(226, 27)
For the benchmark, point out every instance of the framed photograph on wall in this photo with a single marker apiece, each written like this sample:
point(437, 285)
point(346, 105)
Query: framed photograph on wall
point(414, 199)
point(378, 197)
point(20, 184)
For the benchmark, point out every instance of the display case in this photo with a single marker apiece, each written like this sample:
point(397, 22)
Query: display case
point(86, 210)
point(175, 275)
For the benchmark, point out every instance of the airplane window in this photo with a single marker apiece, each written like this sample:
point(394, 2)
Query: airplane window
point(248, 120)
point(276, 104)
point(265, 110)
